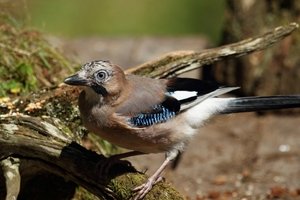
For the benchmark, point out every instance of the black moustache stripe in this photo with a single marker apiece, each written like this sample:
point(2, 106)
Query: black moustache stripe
point(99, 89)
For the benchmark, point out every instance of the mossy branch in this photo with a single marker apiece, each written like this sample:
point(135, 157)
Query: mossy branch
point(45, 127)
point(176, 63)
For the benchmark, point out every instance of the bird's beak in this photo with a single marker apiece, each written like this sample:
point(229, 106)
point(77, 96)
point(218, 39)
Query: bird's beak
point(75, 80)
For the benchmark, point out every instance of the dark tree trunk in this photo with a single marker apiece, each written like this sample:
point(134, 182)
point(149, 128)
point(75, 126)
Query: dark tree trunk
point(270, 72)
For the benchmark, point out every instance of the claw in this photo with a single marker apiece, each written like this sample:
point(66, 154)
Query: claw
point(143, 189)
point(146, 187)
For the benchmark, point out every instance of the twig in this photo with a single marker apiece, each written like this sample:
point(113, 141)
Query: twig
point(176, 63)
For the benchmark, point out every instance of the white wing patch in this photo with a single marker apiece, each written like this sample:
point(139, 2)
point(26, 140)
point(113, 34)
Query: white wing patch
point(181, 95)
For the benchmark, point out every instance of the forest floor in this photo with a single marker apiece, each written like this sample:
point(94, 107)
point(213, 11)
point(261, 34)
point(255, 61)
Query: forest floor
point(241, 156)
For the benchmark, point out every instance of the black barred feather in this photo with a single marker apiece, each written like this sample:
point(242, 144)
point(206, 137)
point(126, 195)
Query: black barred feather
point(158, 115)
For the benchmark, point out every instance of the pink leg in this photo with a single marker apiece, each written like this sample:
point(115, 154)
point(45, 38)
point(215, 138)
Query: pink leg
point(146, 187)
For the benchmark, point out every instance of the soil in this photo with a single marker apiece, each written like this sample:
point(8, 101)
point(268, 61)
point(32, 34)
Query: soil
point(240, 156)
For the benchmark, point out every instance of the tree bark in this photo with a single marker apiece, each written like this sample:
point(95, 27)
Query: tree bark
point(42, 132)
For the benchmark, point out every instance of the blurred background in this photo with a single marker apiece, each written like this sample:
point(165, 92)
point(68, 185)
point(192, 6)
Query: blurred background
point(79, 18)
point(124, 30)
point(244, 156)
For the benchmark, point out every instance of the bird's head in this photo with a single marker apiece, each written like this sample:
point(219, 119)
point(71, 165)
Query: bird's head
point(101, 76)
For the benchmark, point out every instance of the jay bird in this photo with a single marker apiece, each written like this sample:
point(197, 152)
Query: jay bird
point(155, 115)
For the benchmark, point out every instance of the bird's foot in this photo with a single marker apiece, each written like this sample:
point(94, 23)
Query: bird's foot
point(143, 189)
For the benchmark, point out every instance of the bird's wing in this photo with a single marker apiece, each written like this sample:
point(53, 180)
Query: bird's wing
point(162, 99)
point(190, 92)
point(141, 95)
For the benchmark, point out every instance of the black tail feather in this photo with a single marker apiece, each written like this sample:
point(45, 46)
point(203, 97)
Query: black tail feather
point(250, 104)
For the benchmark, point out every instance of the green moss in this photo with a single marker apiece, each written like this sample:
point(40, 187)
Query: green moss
point(83, 194)
point(27, 60)
point(123, 184)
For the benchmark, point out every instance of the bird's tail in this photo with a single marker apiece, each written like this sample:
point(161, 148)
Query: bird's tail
point(249, 104)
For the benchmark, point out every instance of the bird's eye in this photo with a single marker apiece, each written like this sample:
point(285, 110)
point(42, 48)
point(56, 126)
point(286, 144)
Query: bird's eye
point(101, 75)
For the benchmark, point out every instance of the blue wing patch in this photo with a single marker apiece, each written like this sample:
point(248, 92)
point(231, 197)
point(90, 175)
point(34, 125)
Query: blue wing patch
point(159, 114)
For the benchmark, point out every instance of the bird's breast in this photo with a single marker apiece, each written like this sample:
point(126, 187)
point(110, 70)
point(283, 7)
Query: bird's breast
point(152, 139)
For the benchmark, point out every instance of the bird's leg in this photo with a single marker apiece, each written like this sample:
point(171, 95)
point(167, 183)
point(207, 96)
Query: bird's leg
point(104, 166)
point(146, 187)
